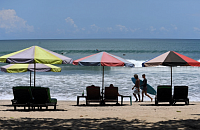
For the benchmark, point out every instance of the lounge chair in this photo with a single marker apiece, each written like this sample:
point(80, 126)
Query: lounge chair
point(42, 98)
point(111, 94)
point(181, 94)
point(22, 97)
point(164, 94)
point(93, 94)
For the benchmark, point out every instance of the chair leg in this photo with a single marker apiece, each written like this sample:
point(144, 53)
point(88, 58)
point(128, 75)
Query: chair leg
point(187, 102)
point(171, 103)
point(121, 100)
point(15, 108)
point(130, 100)
point(156, 101)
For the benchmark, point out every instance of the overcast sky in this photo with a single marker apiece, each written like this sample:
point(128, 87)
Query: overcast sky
point(83, 19)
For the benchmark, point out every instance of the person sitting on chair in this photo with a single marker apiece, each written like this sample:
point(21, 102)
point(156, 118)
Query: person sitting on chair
point(111, 85)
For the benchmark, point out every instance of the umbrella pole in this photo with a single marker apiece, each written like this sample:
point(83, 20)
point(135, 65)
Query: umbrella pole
point(171, 75)
point(30, 78)
point(102, 82)
point(34, 72)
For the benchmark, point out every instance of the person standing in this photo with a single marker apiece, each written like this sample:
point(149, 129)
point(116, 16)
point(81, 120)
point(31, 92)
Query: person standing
point(144, 91)
point(136, 88)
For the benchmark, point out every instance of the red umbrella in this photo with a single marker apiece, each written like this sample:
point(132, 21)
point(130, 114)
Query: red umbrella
point(171, 58)
point(103, 59)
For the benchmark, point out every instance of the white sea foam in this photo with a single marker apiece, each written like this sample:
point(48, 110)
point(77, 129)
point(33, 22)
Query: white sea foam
point(68, 86)
point(137, 63)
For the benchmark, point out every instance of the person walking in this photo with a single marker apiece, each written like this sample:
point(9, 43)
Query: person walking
point(136, 88)
point(144, 91)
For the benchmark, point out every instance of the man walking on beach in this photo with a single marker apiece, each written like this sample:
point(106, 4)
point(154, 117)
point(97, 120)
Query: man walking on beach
point(145, 88)
point(137, 88)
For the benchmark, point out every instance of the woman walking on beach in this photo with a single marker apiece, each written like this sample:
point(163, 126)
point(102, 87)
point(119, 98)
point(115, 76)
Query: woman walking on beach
point(144, 84)
point(136, 88)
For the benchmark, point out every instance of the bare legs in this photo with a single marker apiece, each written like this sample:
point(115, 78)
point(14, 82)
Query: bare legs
point(146, 95)
point(136, 97)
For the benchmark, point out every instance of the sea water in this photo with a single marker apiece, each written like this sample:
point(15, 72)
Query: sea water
point(72, 80)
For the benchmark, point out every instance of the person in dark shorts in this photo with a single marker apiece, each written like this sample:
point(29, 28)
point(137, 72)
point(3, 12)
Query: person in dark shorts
point(144, 84)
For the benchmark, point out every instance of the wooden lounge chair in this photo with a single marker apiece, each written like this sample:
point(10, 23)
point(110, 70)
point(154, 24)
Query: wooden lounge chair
point(111, 94)
point(42, 98)
point(93, 94)
point(164, 94)
point(22, 97)
point(181, 94)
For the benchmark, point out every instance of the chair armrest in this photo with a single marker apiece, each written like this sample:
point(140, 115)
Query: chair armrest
point(13, 101)
point(53, 100)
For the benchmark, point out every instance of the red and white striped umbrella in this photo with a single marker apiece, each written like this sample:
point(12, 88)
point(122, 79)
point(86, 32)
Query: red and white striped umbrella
point(171, 58)
point(103, 59)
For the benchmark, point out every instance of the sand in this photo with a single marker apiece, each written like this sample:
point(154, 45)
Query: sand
point(141, 115)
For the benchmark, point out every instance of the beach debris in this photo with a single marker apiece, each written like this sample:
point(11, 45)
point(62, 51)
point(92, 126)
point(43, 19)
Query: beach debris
point(178, 111)
point(81, 116)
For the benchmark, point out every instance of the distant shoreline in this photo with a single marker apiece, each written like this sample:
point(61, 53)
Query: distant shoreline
point(106, 39)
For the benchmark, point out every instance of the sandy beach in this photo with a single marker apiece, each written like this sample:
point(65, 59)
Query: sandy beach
point(141, 115)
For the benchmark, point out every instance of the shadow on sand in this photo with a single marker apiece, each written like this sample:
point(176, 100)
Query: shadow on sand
point(103, 124)
point(98, 105)
point(165, 105)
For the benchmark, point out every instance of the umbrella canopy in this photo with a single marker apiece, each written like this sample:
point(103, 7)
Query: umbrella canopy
point(35, 54)
point(19, 68)
point(171, 58)
point(103, 59)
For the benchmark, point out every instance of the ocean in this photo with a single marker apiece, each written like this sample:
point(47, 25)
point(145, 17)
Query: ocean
point(72, 80)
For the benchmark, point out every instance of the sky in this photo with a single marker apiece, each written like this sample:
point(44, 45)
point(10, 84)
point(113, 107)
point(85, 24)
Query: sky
point(97, 19)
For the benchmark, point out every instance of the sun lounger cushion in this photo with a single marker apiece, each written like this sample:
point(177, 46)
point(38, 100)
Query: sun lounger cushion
point(22, 94)
point(164, 94)
point(181, 94)
point(111, 94)
point(93, 94)
point(42, 95)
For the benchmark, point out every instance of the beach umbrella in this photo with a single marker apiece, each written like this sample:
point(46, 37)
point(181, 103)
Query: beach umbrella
point(103, 59)
point(19, 68)
point(35, 54)
point(171, 58)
